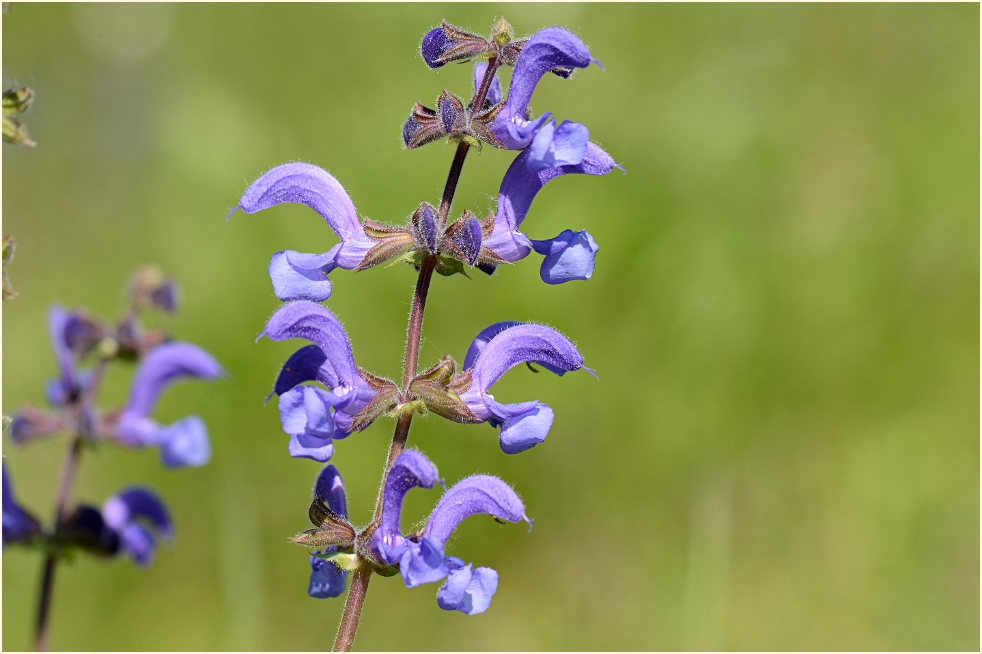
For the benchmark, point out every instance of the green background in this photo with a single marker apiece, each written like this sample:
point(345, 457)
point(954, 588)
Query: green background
point(781, 451)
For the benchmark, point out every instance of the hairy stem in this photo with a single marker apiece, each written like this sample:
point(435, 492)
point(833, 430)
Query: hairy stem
point(352, 609)
point(51, 559)
point(458, 161)
point(359, 582)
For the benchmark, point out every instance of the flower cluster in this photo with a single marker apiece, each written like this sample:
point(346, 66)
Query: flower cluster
point(128, 521)
point(325, 396)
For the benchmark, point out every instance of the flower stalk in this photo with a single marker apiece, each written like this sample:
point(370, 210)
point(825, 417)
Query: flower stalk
point(359, 584)
point(51, 559)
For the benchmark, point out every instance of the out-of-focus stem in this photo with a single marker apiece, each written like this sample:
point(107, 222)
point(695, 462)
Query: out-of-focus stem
point(51, 560)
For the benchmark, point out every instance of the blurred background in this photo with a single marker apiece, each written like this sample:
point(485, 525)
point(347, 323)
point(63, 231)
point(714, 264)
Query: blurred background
point(782, 449)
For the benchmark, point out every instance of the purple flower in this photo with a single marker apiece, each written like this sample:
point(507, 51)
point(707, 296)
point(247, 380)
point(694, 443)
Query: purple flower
point(312, 416)
point(18, 524)
point(421, 557)
point(447, 43)
point(568, 256)
point(182, 443)
point(138, 517)
point(298, 275)
point(326, 579)
point(549, 49)
point(496, 350)
point(63, 327)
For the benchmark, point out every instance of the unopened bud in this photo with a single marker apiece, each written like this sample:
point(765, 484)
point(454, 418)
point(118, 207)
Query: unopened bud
point(502, 32)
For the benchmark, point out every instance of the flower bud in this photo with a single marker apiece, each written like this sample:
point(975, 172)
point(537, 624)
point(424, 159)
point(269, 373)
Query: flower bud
point(421, 127)
point(463, 239)
point(449, 43)
point(15, 103)
point(502, 32)
point(424, 228)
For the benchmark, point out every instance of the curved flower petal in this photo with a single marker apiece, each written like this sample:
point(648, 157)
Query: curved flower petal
point(519, 187)
point(302, 366)
point(307, 446)
point(329, 489)
point(471, 495)
point(568, 256)
point(62, 327)
point(410, 470)
point(484, 337)
point(137, 543)
point(165, 364)
point(326, 579)
point(422, 562)
point(18, 524)
point(185, 443)
point(301, 276)
point(127, 512)
point(518, 344)
point(558, 146)
point(523, 424)
point(137, 503)
point(494, 91)
point(315, 323)
point(549, 48)
point(304, 411)
point(466, 589)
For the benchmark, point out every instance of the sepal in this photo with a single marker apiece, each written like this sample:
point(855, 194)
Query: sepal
point(449, 43)
point(334, 536)
point(462, 239)
point(451, 111)
point(384, 401)
point(435, 388)
point(424, 228)
point(390, 242)
point(421, 127)
point(344, 560)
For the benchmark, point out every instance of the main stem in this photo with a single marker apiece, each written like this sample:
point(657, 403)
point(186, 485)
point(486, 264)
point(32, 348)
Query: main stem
point(359, 580)
point(51, 559)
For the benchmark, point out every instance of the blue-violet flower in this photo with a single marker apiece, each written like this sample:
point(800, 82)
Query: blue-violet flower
point(497, 349)
point(421, 557)
point(312, 416)
point(326, 579)
point(182, 443)
point(298, 275)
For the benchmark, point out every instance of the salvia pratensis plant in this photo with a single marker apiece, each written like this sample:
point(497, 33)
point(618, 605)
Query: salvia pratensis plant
point(129, 522)
point(325, 396)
